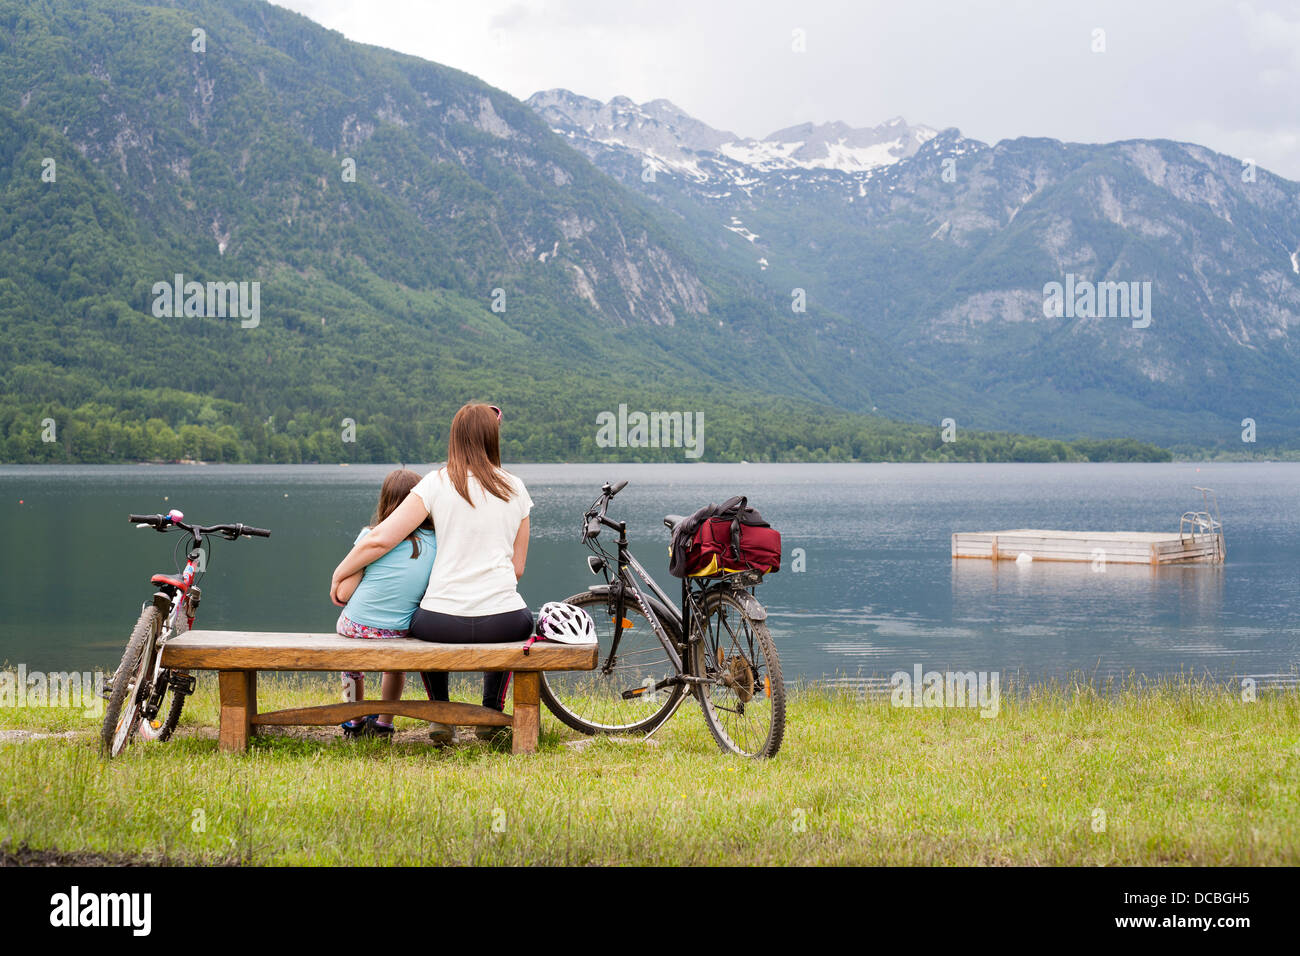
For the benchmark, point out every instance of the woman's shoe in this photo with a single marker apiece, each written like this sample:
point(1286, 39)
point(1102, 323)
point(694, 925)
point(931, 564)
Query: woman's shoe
point(492, 733)
point(440, 734)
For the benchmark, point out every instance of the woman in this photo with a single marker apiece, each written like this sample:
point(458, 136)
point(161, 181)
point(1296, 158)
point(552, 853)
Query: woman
point(480, 514)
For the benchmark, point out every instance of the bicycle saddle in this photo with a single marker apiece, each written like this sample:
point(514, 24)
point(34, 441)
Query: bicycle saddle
point(168, 580)
point(672, 521)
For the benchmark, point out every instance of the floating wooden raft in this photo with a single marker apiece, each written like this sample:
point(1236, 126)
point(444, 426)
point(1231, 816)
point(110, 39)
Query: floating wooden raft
point(1115, 547)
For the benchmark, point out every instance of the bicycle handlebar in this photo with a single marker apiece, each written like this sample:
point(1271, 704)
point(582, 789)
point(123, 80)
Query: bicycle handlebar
point(596, 516)
point(163, 522)
point(255, 532)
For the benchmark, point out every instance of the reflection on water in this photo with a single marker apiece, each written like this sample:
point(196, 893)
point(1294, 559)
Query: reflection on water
point(1073, 592)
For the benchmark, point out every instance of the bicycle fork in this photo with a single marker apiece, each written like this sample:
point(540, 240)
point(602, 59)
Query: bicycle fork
point(163, 679)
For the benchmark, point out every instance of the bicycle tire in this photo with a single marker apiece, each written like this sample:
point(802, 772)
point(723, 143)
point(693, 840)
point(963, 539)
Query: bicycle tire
point(748, 679)
point(118, 728)
point(591, 702)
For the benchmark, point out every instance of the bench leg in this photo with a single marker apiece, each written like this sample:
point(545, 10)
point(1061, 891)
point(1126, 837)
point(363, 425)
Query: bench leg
point(527, 713)
point(238, 690)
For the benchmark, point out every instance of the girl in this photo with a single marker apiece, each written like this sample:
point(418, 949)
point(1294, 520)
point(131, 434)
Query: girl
point(481, 513)
point(382, 596)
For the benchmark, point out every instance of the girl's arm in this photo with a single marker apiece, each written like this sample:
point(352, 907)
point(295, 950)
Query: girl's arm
point(383, 538)
point(521, 548)
point(347, 588)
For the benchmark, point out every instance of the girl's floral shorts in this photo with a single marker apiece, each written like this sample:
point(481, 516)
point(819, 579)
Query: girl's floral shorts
point(349, 628)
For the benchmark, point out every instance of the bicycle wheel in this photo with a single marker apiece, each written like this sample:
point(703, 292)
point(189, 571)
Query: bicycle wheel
point(618, 696)
point(744, 703)
point(122, 716)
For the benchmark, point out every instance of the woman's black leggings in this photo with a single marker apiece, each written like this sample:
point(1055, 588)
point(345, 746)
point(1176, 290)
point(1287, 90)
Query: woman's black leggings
point(436, 627)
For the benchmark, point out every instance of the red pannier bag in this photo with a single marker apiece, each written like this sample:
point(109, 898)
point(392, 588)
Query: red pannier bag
point(720, 539)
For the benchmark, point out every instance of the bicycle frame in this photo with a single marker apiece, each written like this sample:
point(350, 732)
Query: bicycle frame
point(175, 597)
point(716, 648)
point(625, 580)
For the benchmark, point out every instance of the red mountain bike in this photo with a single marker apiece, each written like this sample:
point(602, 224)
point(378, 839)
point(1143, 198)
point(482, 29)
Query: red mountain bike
point(140, 683)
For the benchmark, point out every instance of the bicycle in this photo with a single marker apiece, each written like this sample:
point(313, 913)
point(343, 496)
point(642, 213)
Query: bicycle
point(652, 654)
point(140, 684)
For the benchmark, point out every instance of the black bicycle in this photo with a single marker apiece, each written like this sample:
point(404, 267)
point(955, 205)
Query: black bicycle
point(715, 645)
point(140, 684)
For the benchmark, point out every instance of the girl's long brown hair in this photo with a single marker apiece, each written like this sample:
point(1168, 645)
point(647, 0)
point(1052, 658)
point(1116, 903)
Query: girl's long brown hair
point(475, 446)
point(396, 487)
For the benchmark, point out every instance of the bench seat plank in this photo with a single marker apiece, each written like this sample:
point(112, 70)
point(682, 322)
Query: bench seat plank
point(279, 651)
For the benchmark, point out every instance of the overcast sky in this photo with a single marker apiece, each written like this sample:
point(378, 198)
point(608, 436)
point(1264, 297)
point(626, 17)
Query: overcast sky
point(1223, 73)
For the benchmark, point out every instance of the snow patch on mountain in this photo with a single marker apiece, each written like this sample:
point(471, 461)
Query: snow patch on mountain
point(670, 140)
point(739, 229)
point(835, 146)
point(766, 155)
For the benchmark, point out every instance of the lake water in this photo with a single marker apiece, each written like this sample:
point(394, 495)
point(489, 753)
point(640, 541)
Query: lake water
point(880, 592)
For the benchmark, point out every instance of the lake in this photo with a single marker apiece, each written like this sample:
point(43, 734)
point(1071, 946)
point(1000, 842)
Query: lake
point(879, 593)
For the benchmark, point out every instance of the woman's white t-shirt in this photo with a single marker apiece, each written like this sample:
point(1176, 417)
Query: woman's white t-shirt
point(473, 570)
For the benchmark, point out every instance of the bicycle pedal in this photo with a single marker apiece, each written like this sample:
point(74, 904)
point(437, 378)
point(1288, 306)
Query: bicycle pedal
point(182, 685)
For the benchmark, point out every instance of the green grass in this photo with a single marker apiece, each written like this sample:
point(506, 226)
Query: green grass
point(1185, 773)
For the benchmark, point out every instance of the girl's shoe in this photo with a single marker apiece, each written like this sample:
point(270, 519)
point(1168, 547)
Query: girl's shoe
point(357, 726)
point(375, 729)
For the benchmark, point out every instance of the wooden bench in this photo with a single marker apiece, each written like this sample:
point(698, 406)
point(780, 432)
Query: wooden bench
point(237, 656)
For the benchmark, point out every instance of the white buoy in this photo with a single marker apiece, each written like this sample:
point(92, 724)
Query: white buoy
point(1023, 558)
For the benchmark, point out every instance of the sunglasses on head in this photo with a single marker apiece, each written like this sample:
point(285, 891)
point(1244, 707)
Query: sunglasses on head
point(497, 410)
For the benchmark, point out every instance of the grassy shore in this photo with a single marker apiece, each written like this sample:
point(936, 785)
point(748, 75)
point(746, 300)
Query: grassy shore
point(1176, 773)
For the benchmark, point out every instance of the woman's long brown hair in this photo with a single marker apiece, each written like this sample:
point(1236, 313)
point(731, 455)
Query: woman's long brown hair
point(475, 446)
point(397, 486)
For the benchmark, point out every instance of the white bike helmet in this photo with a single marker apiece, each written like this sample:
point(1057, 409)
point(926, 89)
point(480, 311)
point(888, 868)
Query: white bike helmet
point(557, 621)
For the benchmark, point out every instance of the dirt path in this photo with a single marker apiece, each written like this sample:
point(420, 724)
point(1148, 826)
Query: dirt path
point(20, 736)
point(24, 855)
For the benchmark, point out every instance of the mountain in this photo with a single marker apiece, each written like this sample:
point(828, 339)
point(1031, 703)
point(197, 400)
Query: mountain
point(228, 233)
point(832, 146)
point(657, 126)
point(946, 249)
point(667, 139)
